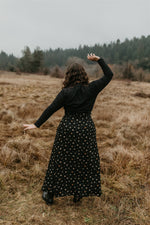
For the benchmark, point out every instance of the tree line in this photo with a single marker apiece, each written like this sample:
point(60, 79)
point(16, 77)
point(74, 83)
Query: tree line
point(136, 50)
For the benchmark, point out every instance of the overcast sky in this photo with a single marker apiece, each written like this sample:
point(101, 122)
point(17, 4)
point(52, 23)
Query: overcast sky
point(69, 23)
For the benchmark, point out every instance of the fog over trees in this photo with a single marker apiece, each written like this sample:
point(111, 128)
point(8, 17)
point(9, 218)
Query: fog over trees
point(136, 51)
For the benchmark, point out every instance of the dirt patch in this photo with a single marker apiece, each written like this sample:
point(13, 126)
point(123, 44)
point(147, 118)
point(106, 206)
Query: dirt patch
point(142, 95)
point(5, 83)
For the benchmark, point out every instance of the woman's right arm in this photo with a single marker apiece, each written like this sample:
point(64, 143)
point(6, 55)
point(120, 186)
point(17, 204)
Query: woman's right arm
point(99, 84)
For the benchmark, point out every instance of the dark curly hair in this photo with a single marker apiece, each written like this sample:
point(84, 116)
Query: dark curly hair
point(75, 74)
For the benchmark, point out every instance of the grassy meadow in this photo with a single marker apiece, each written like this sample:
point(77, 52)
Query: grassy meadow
point(122, 118)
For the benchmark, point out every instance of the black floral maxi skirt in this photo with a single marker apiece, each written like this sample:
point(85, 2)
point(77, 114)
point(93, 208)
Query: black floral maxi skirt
point(74, 165)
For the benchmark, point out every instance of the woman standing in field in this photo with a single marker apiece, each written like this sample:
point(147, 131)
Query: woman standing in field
point(74, 165)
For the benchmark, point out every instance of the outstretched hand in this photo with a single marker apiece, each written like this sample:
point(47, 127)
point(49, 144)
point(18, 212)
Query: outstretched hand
point(93, 57)
point(29, 126)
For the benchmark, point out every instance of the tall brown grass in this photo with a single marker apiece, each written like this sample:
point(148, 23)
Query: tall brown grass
point(121, 116)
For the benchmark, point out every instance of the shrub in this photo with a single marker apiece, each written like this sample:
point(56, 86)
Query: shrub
point(57, 72)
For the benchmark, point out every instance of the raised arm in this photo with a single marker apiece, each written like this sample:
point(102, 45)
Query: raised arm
point(97, 85)
point(53, 107)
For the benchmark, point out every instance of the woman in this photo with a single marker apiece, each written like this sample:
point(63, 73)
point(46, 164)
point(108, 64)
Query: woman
point(74, 165)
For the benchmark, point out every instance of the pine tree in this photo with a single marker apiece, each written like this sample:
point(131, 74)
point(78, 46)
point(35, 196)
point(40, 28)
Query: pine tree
point(37, 60)
point(25, 62)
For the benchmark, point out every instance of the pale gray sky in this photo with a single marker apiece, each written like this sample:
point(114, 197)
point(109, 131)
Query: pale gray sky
point(69, 23)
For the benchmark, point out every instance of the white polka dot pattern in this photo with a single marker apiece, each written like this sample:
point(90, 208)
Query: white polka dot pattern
point(74, 165)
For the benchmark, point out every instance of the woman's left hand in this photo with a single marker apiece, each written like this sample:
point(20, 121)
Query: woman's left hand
point(29, 126)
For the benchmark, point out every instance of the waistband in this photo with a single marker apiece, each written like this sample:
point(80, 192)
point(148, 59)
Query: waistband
point(88, 113)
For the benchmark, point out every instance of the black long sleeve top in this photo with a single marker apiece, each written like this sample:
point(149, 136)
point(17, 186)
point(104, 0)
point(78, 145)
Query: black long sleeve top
point(79, 98)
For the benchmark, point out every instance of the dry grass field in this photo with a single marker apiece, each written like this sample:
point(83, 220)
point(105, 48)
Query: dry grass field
point(122, 118)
